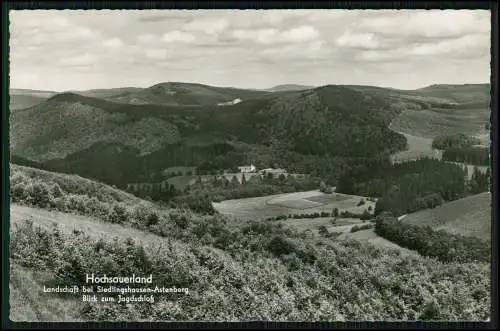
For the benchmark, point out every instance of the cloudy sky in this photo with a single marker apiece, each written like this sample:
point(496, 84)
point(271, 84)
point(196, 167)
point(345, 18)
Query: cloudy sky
point(65, 50)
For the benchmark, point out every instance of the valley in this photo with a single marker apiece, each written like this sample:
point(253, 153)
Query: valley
point(302, 185)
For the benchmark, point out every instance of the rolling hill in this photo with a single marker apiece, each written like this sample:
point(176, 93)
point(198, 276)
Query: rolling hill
point(111, 93)
point(175, 93)
point(180, 124)
point(25, 98)
point(470, 216)
point(289, 87)
point(68, 123)
point(447, 109)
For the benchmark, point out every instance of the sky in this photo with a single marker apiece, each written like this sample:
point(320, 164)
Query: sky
point(62, 50)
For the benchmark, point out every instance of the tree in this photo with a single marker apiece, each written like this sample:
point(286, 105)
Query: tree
point(323, 231)
point(234, 181)
point(243, 179)
point(322, 186)
point(335, 212)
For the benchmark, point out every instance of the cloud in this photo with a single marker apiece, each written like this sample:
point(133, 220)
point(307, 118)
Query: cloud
point(156, 54)
point(300, 34)
point(146, 38)
point(113, 43)
point(79, 60)
point(272, 36)
point(178, 36)
point(429, 24)
point(249, 48)
point(154, 16)
point(358, 40)
point(210, 26)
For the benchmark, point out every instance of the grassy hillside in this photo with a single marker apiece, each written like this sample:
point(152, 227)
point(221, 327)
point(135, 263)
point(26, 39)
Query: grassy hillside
point(467, 93)
point(470, 216)
point(433, 122)
point(447, 110)
point(69, 184)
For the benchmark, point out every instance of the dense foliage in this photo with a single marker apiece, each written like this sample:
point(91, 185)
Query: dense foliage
point(428, 242)
point(458, 140)
point(470, 155)
point(480, 181)
point(220, 188)
point(263, 273)
point(408, 186)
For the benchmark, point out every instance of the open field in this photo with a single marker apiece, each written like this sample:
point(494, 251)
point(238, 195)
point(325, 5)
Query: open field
point(430, 123)
point(417, 147)
point(291, 203)
point(470, 216)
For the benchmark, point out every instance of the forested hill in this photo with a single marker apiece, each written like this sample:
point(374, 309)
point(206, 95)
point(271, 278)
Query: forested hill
point(317, 130)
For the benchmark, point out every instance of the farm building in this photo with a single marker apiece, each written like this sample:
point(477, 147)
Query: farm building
point(250, 168)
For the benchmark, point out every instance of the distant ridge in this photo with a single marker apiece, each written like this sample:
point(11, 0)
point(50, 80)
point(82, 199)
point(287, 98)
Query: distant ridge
point(289, 87)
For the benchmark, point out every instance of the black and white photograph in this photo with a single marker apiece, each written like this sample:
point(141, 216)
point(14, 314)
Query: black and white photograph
point(305, 165)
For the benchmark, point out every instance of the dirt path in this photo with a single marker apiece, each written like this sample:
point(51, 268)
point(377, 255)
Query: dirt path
point(91, 226)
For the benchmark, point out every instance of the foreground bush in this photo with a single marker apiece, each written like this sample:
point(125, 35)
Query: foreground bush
point(283, 278)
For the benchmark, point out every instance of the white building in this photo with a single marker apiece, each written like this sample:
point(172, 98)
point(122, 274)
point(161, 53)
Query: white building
point(229, 103)
point(250, 168)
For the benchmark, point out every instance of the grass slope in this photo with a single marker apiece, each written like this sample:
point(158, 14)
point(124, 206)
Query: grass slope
point(470, 216)
point(74, 184)
point(433, 122)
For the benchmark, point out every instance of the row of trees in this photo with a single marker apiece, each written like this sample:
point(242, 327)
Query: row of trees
point(406, 187)
point(458, 140)
point(470, 155)
point(439, 244)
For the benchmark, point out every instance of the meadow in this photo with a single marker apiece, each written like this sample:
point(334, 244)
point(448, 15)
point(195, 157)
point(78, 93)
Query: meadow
point(470, 216)
point(291, 203)
point(417, 147)
point(429, 123)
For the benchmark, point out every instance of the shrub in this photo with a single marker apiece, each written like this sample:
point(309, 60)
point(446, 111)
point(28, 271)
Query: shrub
point(323, 231)
point(361, 227)
point(279, 245)
point(366, 215)
point(118, 214)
